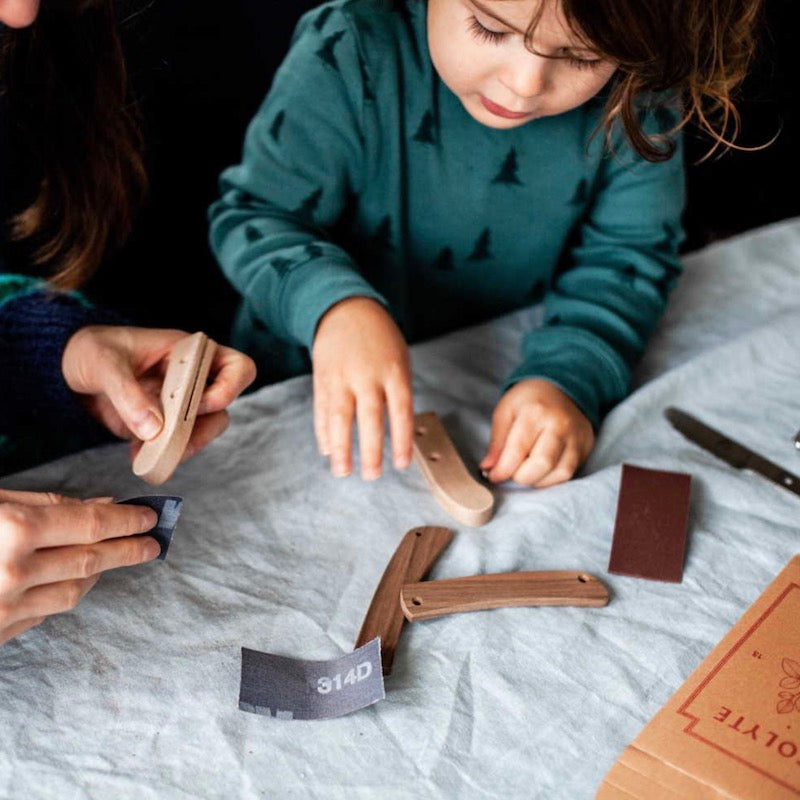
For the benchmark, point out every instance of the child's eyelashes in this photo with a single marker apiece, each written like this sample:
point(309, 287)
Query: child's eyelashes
point(484, 34)
point(584, 63)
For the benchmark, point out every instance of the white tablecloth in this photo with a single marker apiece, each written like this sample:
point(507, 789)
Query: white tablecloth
point(134, 694)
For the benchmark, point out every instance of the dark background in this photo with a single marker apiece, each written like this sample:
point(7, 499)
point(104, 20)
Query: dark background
point(200, 69)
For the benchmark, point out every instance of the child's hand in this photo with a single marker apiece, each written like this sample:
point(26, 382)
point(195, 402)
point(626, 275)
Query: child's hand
point(120, 371)
point(539, 436)
point(361, 370)
point(53, 549)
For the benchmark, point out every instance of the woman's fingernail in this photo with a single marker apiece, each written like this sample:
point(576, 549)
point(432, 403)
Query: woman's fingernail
point(152, 550)
point(339, 471)
point(149, 427)
point(370, 474)
point(149, 517)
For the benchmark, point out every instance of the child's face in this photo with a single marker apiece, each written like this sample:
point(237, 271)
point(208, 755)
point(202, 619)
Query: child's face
point(478, 48)
point(18, 13)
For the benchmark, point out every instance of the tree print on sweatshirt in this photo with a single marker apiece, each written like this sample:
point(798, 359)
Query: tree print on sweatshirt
point(322, 18)
point(282, 265)
point(326, 52)
point(480, 252)
point(307, 208)
point(252, 233)
point(508, 172)
point(277, 124)
point(426, 132)
point(314, 250)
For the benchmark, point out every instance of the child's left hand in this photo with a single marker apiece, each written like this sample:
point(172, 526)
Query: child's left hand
point(539, 436)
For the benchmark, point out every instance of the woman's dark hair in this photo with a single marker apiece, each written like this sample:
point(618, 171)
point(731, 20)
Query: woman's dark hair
point(67, 99)
point(698, 50)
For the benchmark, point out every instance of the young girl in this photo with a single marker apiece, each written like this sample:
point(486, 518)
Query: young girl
point(420, 166)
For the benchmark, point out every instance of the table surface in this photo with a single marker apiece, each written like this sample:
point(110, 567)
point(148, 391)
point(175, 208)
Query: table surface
point(134, 694)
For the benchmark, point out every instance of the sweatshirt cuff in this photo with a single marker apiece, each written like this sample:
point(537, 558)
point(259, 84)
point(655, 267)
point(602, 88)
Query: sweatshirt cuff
point(583, 366)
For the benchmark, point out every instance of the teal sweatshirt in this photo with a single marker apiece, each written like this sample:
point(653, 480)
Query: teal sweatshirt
point(362, 174)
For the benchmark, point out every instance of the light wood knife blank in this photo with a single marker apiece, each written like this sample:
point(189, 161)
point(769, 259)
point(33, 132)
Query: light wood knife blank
point(432, 599)
point(414, 556)
point(457, 492)
point(181, 392)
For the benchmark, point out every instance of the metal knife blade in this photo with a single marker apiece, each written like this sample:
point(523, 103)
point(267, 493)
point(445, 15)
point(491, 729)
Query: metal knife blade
point(735, 454)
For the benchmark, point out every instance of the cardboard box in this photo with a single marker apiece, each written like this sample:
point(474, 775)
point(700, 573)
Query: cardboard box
point(733, 729)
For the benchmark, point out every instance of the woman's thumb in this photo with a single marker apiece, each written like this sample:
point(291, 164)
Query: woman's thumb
point(137, 409)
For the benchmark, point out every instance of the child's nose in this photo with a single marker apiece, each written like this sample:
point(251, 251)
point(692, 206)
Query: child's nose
point(527, 75)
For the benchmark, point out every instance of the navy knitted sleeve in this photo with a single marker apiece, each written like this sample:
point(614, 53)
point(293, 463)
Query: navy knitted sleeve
point(35, 325)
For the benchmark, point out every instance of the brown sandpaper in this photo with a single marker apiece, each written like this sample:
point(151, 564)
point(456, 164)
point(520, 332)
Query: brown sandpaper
point(651, 524)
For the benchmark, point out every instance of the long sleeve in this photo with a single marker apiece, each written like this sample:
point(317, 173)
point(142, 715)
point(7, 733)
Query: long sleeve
point(40, 417)
point(447, 222)
point(301, 164)
point(601, 309)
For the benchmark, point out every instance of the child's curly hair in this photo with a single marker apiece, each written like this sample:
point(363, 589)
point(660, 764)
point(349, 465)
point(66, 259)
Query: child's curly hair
point(698, 50)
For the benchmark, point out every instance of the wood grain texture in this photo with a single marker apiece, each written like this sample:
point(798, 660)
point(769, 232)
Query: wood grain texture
point(456, 491)
point(414, 556)
point(181, 392)
point(479, 592)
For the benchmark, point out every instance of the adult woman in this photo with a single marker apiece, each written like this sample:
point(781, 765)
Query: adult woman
point(72, 180)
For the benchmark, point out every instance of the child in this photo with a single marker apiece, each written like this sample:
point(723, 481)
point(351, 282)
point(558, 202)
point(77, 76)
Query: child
point(419, 166)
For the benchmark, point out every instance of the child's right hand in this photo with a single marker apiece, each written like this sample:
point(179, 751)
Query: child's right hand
point(53, 549)
point(361, 370)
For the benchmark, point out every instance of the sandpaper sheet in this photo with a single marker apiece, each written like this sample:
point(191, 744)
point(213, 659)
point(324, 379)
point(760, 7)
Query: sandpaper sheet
point(651, 524)
point(293, 688)
point(168, 510)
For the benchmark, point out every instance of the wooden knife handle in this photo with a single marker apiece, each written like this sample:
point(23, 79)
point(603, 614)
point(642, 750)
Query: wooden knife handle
point(431, 599)
point(457, 492)
point(414, 556)
point(181, 392)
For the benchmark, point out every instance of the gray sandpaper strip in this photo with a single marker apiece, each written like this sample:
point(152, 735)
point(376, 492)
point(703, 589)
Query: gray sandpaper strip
point(293, 688)
point(168, 510)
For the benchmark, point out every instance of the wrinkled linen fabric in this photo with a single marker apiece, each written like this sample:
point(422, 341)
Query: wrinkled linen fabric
point(134, 694)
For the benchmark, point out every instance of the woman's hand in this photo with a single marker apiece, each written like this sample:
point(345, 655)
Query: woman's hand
point(539, 436)
point(361, 371)
point(53, 550)
point(120, 370)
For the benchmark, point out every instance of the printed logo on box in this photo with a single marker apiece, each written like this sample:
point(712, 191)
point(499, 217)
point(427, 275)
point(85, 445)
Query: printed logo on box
point(748, 706)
